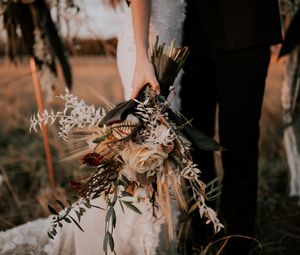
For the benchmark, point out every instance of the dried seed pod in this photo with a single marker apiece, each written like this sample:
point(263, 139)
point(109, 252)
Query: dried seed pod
point(92, 159)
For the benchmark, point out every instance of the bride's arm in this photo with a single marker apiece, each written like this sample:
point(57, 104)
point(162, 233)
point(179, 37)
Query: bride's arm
point(144, 71)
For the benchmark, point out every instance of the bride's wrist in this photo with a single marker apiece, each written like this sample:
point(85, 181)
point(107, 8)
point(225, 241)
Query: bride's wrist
point(142, 56)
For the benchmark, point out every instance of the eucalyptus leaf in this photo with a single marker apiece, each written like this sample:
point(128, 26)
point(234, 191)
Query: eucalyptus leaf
point(76, 223)
point(113, 177)
point(78, 215)
point(99, 139)
point(109, 213)
point(66, 219)
point(60, 203)
point(115, 199)
point(52, 210)
point(50, 236)
point(126, 194)
point(53, 232)
point(82, 210)
point(125, 179)
point(111, 242)
point(114, 218)
point(96, 206)
point(132, 207)
point(87, 204)
point(105, 242)
point(122, 207)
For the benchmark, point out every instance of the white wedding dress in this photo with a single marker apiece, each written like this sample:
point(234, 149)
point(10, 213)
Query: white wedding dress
point(167, 17)
point(135, 234)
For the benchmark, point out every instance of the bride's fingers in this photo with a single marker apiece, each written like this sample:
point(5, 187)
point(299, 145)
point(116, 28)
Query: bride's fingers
point(136, 89)
point(155, 85)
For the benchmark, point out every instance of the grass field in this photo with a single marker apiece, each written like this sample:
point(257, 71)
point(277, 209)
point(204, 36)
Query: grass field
point(24, 189)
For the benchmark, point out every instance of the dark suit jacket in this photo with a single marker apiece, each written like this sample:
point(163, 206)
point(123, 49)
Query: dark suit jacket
point(233, 24)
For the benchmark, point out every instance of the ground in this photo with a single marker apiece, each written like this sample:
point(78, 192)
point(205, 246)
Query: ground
point(24, 189)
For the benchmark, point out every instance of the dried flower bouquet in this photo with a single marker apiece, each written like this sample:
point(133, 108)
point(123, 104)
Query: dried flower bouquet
point(140, 143)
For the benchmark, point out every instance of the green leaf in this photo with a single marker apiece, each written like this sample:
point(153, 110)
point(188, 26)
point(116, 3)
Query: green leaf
point(113, 177)
point(76, 223)
point(52, 210)
point(53, 232)
point(114, 218)
point(99, 139)
point(82, 210)
point(109, 213)
point(213, 182)
point(213, 189)
point(78, 215)
point(60, 203)
point(122, 207)
point(126, 194)
point(132, 207)
point(50, 236)
point(105, 242)
point(87, 204)
point(111, 242)
point(66, 219)
point(125, 180)
point(96, 206)
point(161, 98)
point(68, 210)
point(114, 199)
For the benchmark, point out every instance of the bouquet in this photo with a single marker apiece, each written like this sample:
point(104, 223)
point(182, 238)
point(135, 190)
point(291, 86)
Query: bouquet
point(140, 143)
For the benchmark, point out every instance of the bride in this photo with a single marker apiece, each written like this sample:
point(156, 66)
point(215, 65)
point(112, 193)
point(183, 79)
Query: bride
point(143, 21)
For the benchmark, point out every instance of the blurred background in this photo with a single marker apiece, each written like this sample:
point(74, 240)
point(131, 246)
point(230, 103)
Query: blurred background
point(88, 29)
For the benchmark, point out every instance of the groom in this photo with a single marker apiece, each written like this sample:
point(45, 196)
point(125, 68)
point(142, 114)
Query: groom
point(230, 43)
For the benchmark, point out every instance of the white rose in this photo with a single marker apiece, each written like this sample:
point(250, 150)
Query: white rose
point(142, 158)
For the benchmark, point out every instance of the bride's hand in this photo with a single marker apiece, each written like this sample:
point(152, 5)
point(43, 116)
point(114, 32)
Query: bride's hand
point(144, 73)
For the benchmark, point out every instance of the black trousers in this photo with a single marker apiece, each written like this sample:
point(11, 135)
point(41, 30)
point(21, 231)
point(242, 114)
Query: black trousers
point(235, 81)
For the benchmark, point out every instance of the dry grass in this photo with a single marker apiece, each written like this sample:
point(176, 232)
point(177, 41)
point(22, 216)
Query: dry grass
point(278, 226)
point(22, 159)
point(24, 192)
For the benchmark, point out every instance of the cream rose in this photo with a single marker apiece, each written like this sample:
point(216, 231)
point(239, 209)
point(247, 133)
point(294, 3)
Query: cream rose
point(143, 158)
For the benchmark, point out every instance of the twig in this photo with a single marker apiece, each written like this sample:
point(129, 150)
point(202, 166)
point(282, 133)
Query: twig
point(292, 235)
point(7, 222)
point(13, 193)
point(222, 247)
point(15, 80)
point(226, 238)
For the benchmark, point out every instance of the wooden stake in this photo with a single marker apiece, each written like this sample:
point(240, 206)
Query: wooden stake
point(39, 101)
